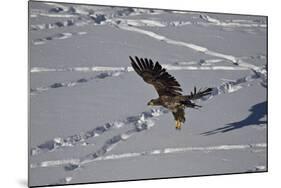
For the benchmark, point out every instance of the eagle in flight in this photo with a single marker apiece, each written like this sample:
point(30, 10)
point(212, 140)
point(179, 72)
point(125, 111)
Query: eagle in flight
point(168, 89)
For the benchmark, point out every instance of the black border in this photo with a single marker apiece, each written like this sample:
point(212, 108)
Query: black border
point(128, 180)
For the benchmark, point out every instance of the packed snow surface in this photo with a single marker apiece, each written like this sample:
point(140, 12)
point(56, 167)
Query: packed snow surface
point(89, 121)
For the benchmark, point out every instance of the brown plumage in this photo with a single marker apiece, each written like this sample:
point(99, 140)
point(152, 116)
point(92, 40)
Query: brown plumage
point(168, 88)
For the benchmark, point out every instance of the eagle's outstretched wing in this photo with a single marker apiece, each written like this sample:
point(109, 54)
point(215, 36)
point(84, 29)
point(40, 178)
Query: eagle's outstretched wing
point(163, 82)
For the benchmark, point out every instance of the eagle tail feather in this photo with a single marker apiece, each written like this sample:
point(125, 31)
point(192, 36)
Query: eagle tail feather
point(190, 104)
point(199, 94)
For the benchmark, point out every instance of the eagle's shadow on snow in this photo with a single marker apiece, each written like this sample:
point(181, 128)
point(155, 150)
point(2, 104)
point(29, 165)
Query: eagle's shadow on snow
point(258, 111)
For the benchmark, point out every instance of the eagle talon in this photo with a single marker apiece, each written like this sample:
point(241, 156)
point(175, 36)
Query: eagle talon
point(178, 125)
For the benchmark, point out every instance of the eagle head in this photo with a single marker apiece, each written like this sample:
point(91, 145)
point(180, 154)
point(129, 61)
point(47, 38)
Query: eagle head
point(150, 103)
point(153, 102)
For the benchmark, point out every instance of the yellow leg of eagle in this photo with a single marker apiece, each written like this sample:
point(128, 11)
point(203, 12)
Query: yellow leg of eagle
point(178, 124)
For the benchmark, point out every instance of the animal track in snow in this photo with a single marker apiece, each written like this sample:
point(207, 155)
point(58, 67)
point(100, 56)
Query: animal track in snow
point(141, 122)
point(233, 23)
point(261, 71)
point(107, 72)
point(103, 75)
point(162, 151)
point(58, 36)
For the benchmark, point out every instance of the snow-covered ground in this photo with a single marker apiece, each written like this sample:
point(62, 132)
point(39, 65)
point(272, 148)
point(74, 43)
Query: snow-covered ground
point(89, 121)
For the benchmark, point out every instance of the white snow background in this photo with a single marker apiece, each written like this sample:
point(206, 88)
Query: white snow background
point(89, 119)
point(14, 92)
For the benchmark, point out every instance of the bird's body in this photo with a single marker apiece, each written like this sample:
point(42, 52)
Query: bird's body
point(168, 89)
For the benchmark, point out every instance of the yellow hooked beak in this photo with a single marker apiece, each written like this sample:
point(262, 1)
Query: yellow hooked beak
point(150, 103)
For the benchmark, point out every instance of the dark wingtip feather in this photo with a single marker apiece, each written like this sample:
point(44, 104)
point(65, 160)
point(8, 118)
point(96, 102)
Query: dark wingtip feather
point(143, 63)
point(157, 67)
point(209, 89)
point(132, 60)
point(135, 66)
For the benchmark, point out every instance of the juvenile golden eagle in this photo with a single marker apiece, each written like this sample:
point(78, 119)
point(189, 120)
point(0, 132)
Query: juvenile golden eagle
point(168, 89)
